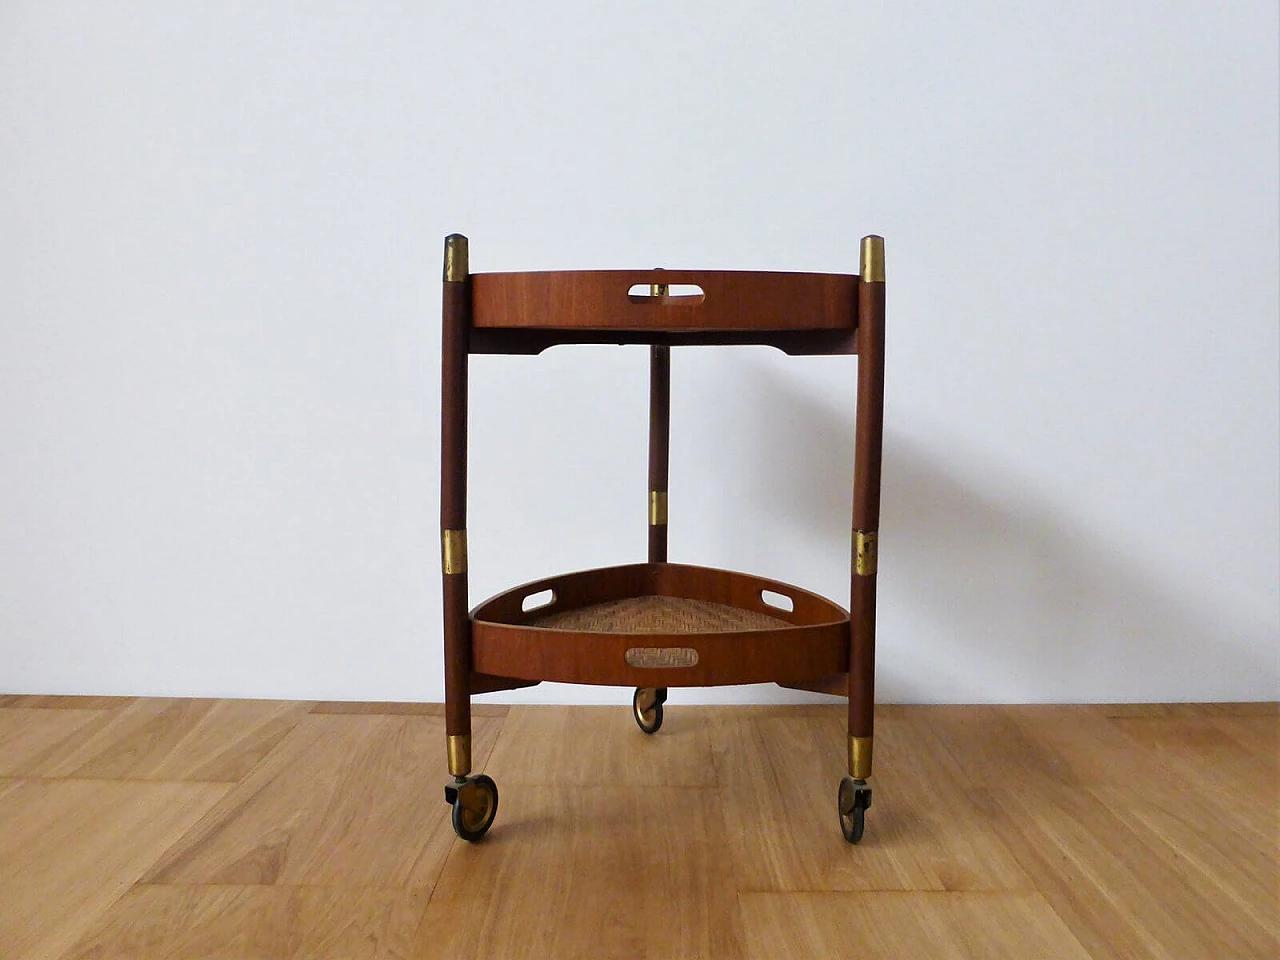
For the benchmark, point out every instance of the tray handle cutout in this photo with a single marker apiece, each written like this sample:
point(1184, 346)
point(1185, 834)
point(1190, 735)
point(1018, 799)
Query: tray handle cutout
point(667, 294)
point(779, 601)
point(536, 601)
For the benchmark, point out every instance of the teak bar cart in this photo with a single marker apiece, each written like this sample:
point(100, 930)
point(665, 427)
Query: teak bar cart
point(657, 625)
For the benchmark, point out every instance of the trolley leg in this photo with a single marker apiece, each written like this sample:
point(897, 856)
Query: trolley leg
point(659, 449)
point(646, 704)
point(855, 794)
point(474, 799)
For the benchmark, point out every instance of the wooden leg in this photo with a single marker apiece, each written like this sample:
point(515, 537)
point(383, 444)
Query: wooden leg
point(453, 504)
point(647, 702)
point(659, 448)
point(457, 692)
point(866, 506)
point(862, 678)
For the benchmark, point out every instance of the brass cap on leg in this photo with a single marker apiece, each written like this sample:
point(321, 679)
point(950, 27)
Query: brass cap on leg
point(859, 757)
point(460, 754)
point(455, 258)
point(872, 270)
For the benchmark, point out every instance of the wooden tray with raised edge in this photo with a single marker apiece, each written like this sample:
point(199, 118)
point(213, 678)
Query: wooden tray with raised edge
point(799, 313)
point(659, 625)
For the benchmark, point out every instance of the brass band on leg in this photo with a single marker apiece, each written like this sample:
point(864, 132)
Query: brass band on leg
point(460, 754)
point(657, 508)
point(453, 551)
point(865, 543)
point(859, 757)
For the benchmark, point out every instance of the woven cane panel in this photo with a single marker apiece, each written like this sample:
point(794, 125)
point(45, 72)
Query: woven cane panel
point(659, 615)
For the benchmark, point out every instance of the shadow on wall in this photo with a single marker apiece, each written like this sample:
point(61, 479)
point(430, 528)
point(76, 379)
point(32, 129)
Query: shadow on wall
point(1005, 599)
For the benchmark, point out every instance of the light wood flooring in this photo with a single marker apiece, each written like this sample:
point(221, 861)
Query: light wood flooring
point(134, 829)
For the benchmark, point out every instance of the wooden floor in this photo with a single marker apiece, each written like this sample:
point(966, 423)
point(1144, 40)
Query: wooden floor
point(134, 829)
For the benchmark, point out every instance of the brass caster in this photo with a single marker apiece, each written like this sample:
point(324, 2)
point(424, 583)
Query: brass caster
point(646, 707)
point(853, 800)
point(475, 804)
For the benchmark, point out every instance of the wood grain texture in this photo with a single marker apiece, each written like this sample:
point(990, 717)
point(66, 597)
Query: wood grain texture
point(1144, 831)
point(527, 341)
point(1202, 754)
point(779, 769)
point(1218, 860)
point(1213, 749)
point(659, 442)
point(1259, 708)
point(1122, 888)
point(787, 654)
point(454, 333)
point(402, 709)
point(27, 734)
point(45, 702)
point(1170, 754)
point(867, 455)
point(168, 739)
point(1259, 735)
point(71, 847)
point(597, 299)
point(586, 587)
point(348, 800)
point(590, 872)
point(271, 923)
point(1049, 746)
point(890, 926)
point(601, 746)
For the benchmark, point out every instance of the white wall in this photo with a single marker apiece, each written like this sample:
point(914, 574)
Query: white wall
point(220, 241)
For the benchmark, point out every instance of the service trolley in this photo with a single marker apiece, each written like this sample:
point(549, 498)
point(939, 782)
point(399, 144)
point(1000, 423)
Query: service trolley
point(657, 624)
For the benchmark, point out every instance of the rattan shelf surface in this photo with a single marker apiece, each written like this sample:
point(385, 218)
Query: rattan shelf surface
point(658, 614)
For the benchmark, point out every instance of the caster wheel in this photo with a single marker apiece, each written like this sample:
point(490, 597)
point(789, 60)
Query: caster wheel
point(853, 800)
point(475, 804)
point(646, 707)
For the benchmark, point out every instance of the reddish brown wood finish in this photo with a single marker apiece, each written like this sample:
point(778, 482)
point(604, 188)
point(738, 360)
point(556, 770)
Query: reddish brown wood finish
point(598, 300)
point(866, 502)
point(659, 440)
point(487, 683)
point(815, 646)
point(743, 590)
point(837, 685)
point(797, 343)
point(453, 500)
point(572, 590)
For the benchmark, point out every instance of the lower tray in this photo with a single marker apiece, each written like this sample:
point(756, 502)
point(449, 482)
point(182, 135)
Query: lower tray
point(660, 625)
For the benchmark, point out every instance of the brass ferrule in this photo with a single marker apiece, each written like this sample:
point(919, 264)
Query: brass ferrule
point(455, 258)
point(872, 259)
point(453, 551)
point(859, 757)
point(865, 552)
point(460, 754)
point(657, 508)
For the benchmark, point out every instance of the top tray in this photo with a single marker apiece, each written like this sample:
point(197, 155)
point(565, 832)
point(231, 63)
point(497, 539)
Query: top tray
point(797, 312)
